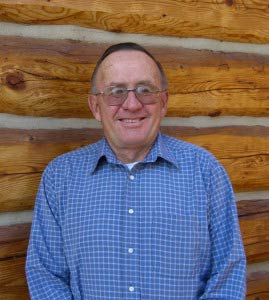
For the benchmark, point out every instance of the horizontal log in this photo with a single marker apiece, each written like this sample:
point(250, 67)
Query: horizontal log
point(242, 150)
point(14, 240)
point(257, 285)
point(254, 223)
point(247, 209)
point(18, 191)
point(230, 20)
point(51, 78)
point(12, 269)
point(253, 217)
point(13, 284)
point(246, 161)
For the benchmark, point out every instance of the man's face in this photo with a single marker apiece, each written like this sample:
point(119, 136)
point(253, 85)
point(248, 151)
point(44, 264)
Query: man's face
point(132, 124)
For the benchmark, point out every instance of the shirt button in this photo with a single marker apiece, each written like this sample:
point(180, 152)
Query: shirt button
point(131, 211)
point(131, 177)
point(130, 250)
point(131, 289)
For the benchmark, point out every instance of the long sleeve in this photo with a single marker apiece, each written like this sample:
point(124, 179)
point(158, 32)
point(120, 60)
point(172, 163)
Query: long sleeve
point(227, 278)
point(46, 268)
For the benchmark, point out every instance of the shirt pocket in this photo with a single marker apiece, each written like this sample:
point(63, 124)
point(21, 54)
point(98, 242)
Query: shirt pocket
point(175, 250)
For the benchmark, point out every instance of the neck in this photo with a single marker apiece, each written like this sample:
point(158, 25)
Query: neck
point(130, 155)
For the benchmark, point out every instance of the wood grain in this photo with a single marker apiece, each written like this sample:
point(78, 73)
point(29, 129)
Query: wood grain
point(237, 149)
point(18, 191)
point(257, 285)
point(244, 152)
point(254, 223)
point(253, 217)
point(13, 244)
point(13, 284)
point(224, 20)
point(51, 78)
point(14, 240)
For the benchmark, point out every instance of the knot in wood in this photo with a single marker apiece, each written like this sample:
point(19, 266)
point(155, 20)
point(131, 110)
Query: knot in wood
point(15, 81)
point(214, 113)
point(229, 2)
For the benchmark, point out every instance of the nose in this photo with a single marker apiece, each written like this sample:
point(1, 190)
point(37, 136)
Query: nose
point(132, 103)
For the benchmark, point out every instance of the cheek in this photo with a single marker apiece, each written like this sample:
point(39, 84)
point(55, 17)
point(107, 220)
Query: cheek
point(108, 114)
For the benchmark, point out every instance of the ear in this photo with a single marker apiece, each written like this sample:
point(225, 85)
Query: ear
point(164, 102)
point(94, 106)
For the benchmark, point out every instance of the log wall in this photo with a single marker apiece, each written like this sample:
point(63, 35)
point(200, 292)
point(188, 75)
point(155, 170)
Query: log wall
point(47, 79)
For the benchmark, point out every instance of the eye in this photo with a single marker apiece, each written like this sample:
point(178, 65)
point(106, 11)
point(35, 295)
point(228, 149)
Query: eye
point(116, 91)
point(144, 89)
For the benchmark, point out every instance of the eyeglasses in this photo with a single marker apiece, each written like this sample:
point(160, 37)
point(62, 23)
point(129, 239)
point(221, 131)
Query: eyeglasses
point(116, 95)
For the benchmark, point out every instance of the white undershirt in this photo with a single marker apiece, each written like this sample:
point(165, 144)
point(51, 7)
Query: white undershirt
point(131, 165)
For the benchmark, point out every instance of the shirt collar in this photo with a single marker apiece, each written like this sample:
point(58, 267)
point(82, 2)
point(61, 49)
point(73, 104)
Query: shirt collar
point(158, 150)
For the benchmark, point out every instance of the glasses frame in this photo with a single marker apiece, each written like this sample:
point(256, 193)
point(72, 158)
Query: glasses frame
point(125, 96)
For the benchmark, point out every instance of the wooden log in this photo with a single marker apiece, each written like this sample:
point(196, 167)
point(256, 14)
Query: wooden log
point(13, 284)
point(254, 223)
point(13, 244)
point(257, 285)
point(25, 153)
point(224, 20)
point(12, 269)
point(14, 240)
point(18, 191)
point(253, 217)
point(237, 149)
point(51, 78)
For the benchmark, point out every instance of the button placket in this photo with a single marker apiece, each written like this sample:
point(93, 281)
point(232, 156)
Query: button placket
point(131, 240)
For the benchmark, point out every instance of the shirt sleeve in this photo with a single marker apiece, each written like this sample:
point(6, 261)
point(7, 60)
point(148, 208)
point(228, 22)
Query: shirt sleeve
point(46, 267)
point(228, 270)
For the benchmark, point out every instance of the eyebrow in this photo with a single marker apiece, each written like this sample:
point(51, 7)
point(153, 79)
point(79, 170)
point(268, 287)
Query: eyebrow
point(145, 82)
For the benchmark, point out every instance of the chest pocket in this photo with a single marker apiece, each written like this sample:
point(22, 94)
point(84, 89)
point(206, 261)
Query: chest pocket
point(175, 246)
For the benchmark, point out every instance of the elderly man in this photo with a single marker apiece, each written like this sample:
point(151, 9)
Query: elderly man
point(137, 215)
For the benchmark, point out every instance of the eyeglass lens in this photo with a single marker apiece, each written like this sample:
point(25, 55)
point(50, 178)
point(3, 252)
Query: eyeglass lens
point(143, 97)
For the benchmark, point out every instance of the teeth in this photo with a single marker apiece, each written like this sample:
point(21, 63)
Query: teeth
point(131, 120)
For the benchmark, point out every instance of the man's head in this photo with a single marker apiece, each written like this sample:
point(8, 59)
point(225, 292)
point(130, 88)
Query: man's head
point(129, 96)
point(122, 47)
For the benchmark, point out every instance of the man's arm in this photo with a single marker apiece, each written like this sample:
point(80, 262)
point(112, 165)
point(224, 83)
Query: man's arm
point(46, 268)
point(227, 278)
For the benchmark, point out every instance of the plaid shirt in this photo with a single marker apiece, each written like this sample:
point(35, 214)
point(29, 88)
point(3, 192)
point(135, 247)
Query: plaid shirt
point(166, 229)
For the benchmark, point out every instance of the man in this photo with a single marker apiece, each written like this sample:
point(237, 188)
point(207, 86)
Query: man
point(138, 215)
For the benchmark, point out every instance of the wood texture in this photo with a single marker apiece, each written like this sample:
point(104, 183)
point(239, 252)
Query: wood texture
point(258, 285)
point(224, 20)
point(13, 284)
point(254, 223)
point(51, 78)
point(13, 245)
point(237, 149)
point(244, 152)
point(253, 217)
point(14, 240)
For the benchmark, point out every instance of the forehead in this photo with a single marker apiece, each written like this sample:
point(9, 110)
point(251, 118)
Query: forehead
point(128, 66)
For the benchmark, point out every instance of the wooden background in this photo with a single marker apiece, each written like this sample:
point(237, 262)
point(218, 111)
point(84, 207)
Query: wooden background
point(50, 78)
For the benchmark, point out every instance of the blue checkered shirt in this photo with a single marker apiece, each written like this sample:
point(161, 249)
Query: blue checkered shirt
point(165, 230)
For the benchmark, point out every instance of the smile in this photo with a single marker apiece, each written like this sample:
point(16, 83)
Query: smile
point(131, 120)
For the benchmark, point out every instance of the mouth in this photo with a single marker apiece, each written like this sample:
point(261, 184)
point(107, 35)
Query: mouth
point(131, 121)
